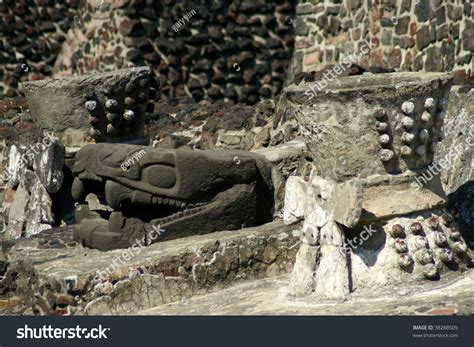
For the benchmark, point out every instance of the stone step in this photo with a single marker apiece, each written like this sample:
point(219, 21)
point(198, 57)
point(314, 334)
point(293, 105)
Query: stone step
point(268, 296)
point(125, 281)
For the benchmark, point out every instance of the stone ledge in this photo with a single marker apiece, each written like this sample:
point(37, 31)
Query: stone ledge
point(66, 280)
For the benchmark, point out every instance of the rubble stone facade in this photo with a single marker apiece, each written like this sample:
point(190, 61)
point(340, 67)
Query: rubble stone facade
point(406, 35)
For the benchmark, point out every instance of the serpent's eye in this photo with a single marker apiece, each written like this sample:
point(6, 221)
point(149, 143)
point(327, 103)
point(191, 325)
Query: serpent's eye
point(161, 176)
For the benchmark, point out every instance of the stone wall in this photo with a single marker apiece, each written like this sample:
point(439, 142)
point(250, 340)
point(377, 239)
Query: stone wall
point(31, 36)
point(205, 49)
point(406, 35)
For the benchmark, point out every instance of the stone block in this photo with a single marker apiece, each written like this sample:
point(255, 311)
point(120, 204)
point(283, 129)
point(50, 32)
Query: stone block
point(423, 38)
point(295, 196)
point(302, 277)
point(107, 107)
point(348, 203)
point(332, 274)
point(337, 119)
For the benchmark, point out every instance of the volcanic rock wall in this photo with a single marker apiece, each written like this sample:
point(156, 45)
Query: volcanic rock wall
point(205, 49)
point(407, 35)
point(31, 36)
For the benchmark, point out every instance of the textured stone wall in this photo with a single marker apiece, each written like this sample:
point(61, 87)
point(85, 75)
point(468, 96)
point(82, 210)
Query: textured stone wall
point(406, 35)
point(31, 36)
point(205, 49)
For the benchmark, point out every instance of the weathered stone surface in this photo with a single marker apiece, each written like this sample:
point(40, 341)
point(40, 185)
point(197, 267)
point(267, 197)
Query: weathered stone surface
point(146, 276)
point(337, 118)
point(48, 165)
point(61, 104)
point(375, 262)
point(303, 275)
point(17, 213)
point(16, 165)
point(39, 215)
point(294, 200)
point(404, 195)
point(423, 10)
point(265, 297)
point(454, 155)
point(423, 38)
point(332, 274)
point(348, 203)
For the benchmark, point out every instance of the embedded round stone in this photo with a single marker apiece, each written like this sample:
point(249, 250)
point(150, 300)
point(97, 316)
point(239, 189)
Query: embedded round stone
point(445, 255)
point(129, 101)
point(433, 222)
point(405, 260)
point(406, 151)
point(381, 127)
point(439, 239)
point(443, 102)
point(421, 150)
point(416, 227)
point(408, 122)
point(408, 107)
point(426, 117)
point(111, 104)
point(459, 247)
point(91, 105)
point(384, 139)
point(429, 103)
point(396, 230)
point(142, 97)
point(430, 271)
point(421, 242)
point(447, 218)
point(424, 135)
point(110, 129)
point(143, 83)
point(424, 256)
point(129, 115)
point(129, 88)
point(454, 234)
point(386, 154)
point(401, 246)
point(94, 132)
point(408, 137)
point(380, 114)
point(111, 116)
point(94, 120)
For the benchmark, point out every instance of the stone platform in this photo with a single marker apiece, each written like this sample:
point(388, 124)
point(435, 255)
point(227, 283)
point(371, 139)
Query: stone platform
point(269, 297)
point(49, 274)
